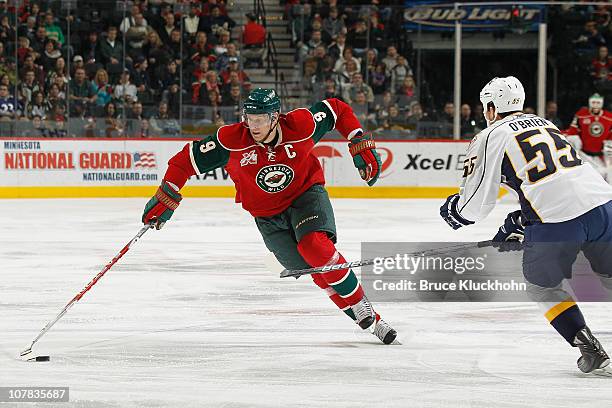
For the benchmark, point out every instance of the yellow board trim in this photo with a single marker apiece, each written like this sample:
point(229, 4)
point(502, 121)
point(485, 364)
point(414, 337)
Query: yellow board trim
point(559, 308)
point(214, 191)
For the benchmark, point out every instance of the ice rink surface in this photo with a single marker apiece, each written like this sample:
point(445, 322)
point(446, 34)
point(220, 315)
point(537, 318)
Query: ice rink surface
point(191, 317)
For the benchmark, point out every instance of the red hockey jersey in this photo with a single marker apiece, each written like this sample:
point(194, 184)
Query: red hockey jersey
point(592, 129)
point(267, 178)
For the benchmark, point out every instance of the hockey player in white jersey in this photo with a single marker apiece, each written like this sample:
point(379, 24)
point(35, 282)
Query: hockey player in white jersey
point(566, 207)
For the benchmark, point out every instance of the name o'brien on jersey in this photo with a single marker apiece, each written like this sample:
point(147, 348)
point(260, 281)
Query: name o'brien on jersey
point(565, 207)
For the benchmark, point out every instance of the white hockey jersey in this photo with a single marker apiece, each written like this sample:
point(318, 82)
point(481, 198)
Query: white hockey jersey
point(531, 156)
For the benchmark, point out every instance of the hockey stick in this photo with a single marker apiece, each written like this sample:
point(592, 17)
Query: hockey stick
point(86, 288)
point(357, 264)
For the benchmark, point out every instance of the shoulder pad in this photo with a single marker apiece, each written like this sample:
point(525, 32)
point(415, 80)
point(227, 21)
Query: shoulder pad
point(235, 137)
point(297, 125)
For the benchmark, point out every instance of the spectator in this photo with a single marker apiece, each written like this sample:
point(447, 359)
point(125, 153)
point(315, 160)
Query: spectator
point(234, 97)
point(27, 88)
point(144, 131)
point(104, 92)
point(23, 49)
point(59, 69)
point(396, 120)
point(89, 50)
point(54, 97)
point(175, 47)
point(169, 76)
point(358, 38)
point(345, 75)
point(357, 85)
point(448, 113)
point(224, 60)
point(29, 29)
point(110, 49)
point(481, 123)
point(166, 30)
point(162, 123)
point(216, 22)
point(327, 91)
point(36, 107)
point(136, 35)
point(416, 115)
point(551, 114)
point(52, 30)
point(382, 104)
point(333, 25)
point(201, 47)
point(390, 59)
point(80, 93)
point(28, 64)
point(300, 25)
point(399, 72)
point(7, 32)
point(77, 62)
point(172, 96)
point(213, 99)
point(407, 92)
point(207, 7)
point(50, 56)
point(378, 37)
point(347, 56)
point(590, 39)
point(136, 112)
point(210, 84)
point(141, 75)
point(113, 125)
point(253, 41)
point(192, 20)
point(39, 42)
point(468, 124)
point(234, 67)
point(130, 20)
point(336, 49)
point(9, 107)
point(378, 79)
point(125, 91)
point(224, 41)
point(601, 67)
point(200, 70)
point(155, 51)
point(363, 111)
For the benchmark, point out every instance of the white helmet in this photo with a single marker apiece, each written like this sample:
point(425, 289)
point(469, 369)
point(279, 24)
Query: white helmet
point(596, 102)
point(507, 95)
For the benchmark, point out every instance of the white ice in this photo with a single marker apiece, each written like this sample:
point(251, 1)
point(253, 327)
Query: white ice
point(191, 317)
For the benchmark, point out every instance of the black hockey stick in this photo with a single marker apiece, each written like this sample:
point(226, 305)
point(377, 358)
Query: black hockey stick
point(357, 264)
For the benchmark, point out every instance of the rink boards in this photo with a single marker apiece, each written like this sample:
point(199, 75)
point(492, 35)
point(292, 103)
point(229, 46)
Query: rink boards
point(47, 168)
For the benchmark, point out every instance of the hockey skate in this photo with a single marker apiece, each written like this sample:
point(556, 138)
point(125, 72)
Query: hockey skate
point(384, 332)
point(364, 313)
point(594, 358)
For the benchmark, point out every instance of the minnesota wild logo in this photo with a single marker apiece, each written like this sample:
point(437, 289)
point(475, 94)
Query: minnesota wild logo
point(274, 178)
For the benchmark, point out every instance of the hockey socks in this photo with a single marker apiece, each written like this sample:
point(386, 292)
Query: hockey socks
point(317, 250)
point(567, 319)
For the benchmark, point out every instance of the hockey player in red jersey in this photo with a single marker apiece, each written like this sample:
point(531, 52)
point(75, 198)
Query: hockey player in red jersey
point(591, 132)
point(280, 182)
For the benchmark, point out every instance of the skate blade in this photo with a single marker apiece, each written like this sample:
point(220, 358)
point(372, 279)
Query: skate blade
point(604, 371)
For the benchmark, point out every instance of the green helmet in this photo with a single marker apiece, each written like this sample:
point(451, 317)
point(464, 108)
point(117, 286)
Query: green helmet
point(262, 100)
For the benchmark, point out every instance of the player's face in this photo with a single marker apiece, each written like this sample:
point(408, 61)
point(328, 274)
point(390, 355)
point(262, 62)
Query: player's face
point(595, 107)
point(260, 125)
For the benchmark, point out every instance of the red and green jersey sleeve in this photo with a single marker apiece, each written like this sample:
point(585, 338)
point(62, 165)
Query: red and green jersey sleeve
point(196, 157)
point(331, 114)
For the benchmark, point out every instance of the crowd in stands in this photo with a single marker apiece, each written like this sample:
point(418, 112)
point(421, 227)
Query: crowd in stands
point(142, 68)
point(116, 72)
point(356, 53)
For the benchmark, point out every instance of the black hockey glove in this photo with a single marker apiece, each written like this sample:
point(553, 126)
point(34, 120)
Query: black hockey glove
point(451, 215)
point(510, 236)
